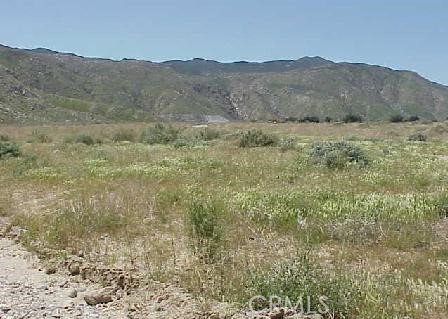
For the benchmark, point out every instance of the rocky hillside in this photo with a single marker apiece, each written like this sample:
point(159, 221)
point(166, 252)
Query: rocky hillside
point(41, 85)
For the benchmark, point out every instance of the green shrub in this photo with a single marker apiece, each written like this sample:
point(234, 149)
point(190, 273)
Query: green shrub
point(205, 227)
point(4, 138)
point(208, 134)
point(9, 149)
point(287, 144)
point(123, 136)
point(159, 134)
point(26, 163)
point(337, 154)
point(188, 142)
point(256, 138)
point(413, 118)
point(352, 118)
point(328, 119)
point(84, 139)
point(418, 137)
point(304, 283)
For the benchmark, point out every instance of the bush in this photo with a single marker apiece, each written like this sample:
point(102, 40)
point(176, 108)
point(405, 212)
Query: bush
point(337, 154)
point(287, 143)
point(310, 119)
point(303, 283)
point(205, 228)
point(418, 137)
point(159, 134)
point(123, 136)
point(292, 119)
point(413, 118)
point(352, 118)
point(328, 119)
point(9, 149)
point(188, 142)
point(256, 138)
point(84, 139)
point(4, 138)
point(208, 134)
point(397, 118)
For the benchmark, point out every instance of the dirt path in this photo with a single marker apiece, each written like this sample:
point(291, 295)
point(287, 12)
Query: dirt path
point(26, 291)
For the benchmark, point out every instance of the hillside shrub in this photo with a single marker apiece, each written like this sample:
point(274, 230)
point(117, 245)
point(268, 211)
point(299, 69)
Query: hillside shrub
point(159, 134)
point(256, 138)
point(413, 118)
point(4, 138)
point(337, 154)
point(352, 118)
point(310, 119)
point(8, 149)
point(396, 118)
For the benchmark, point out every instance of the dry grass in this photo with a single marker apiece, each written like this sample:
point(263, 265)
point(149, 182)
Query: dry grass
point(129, 205)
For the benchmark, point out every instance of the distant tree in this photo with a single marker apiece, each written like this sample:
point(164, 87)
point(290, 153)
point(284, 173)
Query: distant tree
point(328, 119)
point(396, 118)
point(291, 119)
point(310, 119)
point(413, 118)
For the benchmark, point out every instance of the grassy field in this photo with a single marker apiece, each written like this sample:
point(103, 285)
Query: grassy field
point(355, 212)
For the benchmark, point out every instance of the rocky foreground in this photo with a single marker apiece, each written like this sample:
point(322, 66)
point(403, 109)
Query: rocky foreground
point(30, 290)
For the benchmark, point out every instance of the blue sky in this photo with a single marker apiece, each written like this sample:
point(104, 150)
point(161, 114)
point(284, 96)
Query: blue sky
point(410, 34)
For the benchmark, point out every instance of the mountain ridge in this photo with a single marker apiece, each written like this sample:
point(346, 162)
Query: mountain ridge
point(42, 85)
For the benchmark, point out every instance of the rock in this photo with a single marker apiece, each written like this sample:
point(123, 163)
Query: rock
point(99, 296)
point(50, 270)
point(278, 315)
point(73, 293)
point(73, 269)
point(5, 308)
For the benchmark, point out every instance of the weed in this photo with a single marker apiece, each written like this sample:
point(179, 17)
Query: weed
point(337, 154)
point(418, 137)
point(40, 137)
point(257, 139)
point(208, 134)
point(205, 227)
point(159, 134)
point(123, 136)
point(9, 149)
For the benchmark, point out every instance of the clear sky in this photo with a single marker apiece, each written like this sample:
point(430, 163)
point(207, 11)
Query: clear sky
point(402, 34)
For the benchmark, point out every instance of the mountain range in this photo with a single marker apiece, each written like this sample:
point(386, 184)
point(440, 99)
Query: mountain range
point(41, 85)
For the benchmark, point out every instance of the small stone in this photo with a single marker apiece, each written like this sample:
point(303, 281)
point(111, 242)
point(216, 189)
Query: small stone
point(50, 270)
point(99, 296)
point(278, 315)
point(5, 308)
point(73, 269)
point(73, 293)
